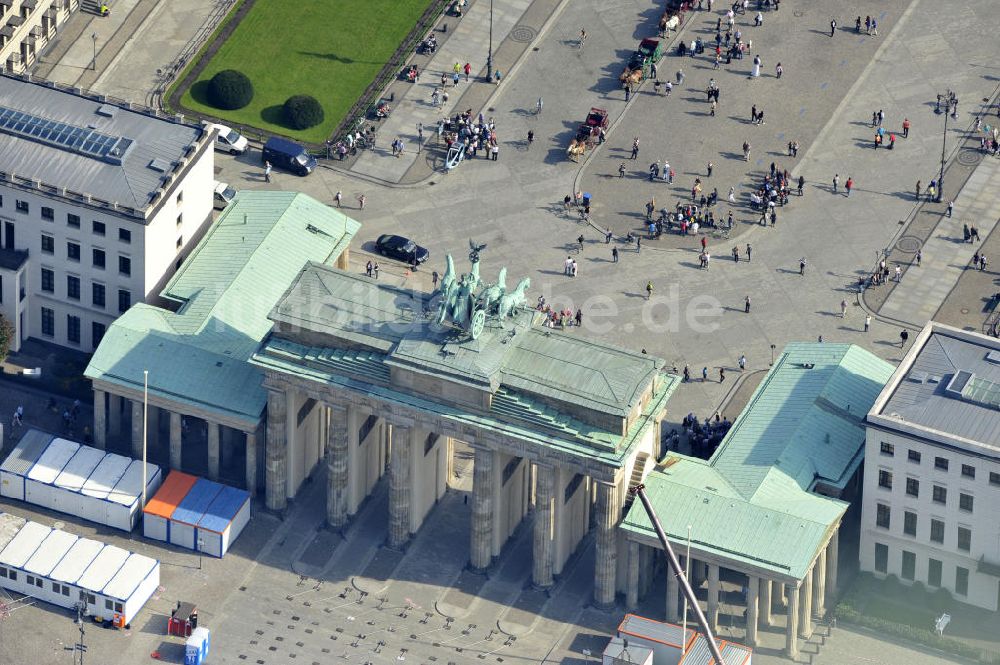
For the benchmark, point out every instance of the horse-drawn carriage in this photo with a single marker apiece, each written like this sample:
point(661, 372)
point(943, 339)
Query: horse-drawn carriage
point(672, 17)
point(588, 134)
point(639, 64)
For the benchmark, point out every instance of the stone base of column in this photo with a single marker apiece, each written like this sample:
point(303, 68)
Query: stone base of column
point(475, 570)
point(604, 607)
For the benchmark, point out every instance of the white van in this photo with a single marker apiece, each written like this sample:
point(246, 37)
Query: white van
point(229, 140)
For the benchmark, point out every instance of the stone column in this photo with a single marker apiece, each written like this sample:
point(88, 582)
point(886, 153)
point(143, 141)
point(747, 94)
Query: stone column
point(792, 626)
point(805, 605)
point(606, 548)
point(765, 603)
point(543, 550)
point(712, 616)
point(673, 592)
point(213, 449)
point(176, 441)
point(276, 451)
point(152, 427)
point(336, 468)
point(100, 419)
point(137, 429)
point(819, 585)
point(831, 563)
point(251, 462)
point(399, 486)
point(115, 416)
point(632, 581)
point(753, 585)
point(481, 545)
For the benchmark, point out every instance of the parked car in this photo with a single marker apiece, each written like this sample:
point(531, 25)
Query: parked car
point(288, 155)
point(401, 249)
point(224, 194)
point(229, 140)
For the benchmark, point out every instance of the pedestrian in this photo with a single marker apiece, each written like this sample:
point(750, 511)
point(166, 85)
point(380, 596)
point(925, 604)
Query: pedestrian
point(778, 71)
point(903, 336)
point(749, 251)
point(638, 244)
point(338, 197)
point(758, 20)
point(833, 27)
point(951, 206)
point(899, 273)
point(680, 76)
point(375, 270)
point(455, 79)
point(843, 309)
point(468, 70)
point(362, 199)
point(635, 148)
point(621, 170)
point(848, 185)
point(736, 254)
point(628, 91)
point(966, 236)
point(495, 151)
point(746, 305)
point(732, 194)
point(722, 374)
point(579, 317)
point(687, 373)
point(906, 128)
point(704, 374)
point(836, 182)
point(267, 171)
point(868, 322)
point(802, 184)
point(742, 362)
point(607, 236)
point(649, 290)
point(18, 414)
point(802, 266)
point(434, 279)
point(919, 256)
point(369, 267)
point(709, 169)
point(918, 190)
point(538, 106)
point(614, 255)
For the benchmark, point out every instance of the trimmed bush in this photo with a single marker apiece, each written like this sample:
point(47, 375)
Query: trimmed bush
point(303, 112)
point(230, 90)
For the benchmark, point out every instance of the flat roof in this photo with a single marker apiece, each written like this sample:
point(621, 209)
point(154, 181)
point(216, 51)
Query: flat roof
point(42, 147)
point(129, 576)
point(77, 560)
point(947, 389)
point(24, 545)
point(197, 356)
point(50, 552)
point(171, 493)
point(104, 566)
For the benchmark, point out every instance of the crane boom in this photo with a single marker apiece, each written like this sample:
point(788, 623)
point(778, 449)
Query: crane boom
point(675, 565)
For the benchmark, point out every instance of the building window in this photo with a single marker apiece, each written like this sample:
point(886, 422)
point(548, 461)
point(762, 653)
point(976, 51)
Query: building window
point(913, 456)
point(98, 295)
point(933, 572)
point(909, 568)
point(881, 558)
point(124, 300)
point(180, 241)
point(885, 479)
point(48, 244)
point(124, 266)
point(55, 587)
point(937, 531)
point(882, 516)
point(48, 281)
point(99, 228)
point(964, 539)
point(910, 523)
point(961, 581)
point(912, 487)
point(965, 502)
point(940, 494)
point(72, 251)
point(180, 219)
point(888, 449)
point(73, 328)
point(48, 322)
point(73, 221)
point(968, 471)
point(21, 206)
point(65, 590)
point(72, 287)
point(108, 605)
point(180, 197)
point(994, 478)
point(99, 258)
point(48, 213)
point(941, 463)
point(97, 333)
point(124, 235)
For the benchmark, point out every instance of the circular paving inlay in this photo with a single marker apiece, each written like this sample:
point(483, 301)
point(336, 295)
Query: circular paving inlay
point(969, 157)
point(522, 33)
point(908, 244)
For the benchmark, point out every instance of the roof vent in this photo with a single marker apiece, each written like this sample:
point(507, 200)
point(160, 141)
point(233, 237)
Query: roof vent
point(993, 357)
point(958, 383)
point(805, 365)
point(107, 110)
point(159, 165)
point(917, 377)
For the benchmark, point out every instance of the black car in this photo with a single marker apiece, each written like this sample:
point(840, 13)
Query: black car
point(401, 249)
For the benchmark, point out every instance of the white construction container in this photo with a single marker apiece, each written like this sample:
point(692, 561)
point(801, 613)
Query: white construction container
point(63, 569)
point(79, 480)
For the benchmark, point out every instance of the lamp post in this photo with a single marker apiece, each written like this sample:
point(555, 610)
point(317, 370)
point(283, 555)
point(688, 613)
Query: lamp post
point(93, 63)
point(489, 54)
point(948, 99)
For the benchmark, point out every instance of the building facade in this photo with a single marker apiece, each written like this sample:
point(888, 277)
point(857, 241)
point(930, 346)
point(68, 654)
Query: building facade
point(99, 202)
point(932, 471)
point(26, 26)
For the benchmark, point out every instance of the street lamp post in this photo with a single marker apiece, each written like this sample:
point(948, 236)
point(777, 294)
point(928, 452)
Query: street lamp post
point(93, 63)
point(949, 99)
point(489, 54)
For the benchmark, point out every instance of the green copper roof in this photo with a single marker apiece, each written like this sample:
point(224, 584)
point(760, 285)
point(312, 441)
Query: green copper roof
point(754, 500)
point(224, 292)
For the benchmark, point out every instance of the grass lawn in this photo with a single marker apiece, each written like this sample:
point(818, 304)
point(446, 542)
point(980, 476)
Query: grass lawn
point(330, 49)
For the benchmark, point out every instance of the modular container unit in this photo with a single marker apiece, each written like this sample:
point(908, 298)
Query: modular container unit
point(63, 569)
point(156, 516)
point(223, 521)
point(17, 465)
point(79, 480)
point(184, 521)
